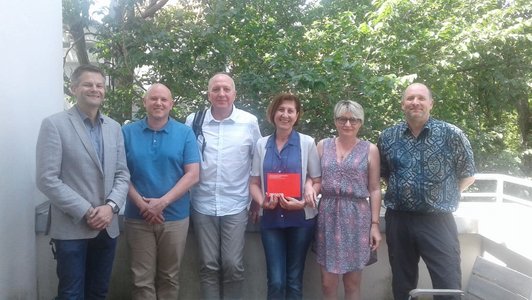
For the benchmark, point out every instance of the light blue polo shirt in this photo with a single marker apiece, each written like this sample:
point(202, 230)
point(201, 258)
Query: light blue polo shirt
point(156, 161)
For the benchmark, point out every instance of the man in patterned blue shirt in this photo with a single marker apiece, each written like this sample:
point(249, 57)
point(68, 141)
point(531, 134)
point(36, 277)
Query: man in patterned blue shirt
point(426, 163)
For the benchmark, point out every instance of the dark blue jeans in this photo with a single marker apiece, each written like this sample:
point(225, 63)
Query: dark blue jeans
point(84, 267)
point(286, 251)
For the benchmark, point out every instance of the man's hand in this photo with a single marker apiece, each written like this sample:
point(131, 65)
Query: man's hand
point(152, 211)
point(254, 209)
point(100, 217)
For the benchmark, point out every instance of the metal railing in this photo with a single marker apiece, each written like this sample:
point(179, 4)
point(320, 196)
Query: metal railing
point(507, 189)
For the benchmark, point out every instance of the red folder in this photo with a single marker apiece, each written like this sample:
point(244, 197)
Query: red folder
point(287, 183)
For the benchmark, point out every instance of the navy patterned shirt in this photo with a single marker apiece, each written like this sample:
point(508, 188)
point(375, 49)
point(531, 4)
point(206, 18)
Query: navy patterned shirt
point(423, 173)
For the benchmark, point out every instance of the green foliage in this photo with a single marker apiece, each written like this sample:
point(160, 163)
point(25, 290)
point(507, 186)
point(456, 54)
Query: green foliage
point(475, 55)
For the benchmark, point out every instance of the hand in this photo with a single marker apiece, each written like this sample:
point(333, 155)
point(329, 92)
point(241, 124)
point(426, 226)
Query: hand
point(152, 211)
point(310, 198)
point(290, 203)
point(270, 201)
point(254, 209)
point(375, 237)
point(90, 213)
point(100, 217)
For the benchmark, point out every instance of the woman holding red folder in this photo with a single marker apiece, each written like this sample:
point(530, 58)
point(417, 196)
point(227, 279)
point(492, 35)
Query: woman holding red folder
point(348, 222)
point(285, 178)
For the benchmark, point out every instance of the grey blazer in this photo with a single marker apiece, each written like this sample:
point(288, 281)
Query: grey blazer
point(69, 173)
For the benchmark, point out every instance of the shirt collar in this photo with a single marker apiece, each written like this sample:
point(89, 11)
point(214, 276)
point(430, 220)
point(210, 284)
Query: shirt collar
point(293, 139)
point(165, 129)
point(232, 117)
point(84, 116)
point(427, 127)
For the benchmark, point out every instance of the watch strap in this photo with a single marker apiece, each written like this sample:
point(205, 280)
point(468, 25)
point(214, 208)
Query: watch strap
point(113, 205)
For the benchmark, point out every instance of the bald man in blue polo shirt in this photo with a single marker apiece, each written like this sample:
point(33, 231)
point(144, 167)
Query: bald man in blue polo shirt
point(163, 158)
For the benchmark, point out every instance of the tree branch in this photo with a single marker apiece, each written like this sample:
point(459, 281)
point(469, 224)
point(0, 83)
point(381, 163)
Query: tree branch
point(155, 5)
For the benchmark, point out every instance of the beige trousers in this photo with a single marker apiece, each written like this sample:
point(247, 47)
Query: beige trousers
point(156, 252)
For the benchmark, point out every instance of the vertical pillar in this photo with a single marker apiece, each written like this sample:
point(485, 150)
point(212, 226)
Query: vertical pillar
point(31, 88)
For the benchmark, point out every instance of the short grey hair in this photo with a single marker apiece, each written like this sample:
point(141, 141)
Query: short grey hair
point(351, 107)
point(221, 74)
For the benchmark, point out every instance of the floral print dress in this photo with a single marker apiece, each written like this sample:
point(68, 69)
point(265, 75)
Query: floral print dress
point(344, 221)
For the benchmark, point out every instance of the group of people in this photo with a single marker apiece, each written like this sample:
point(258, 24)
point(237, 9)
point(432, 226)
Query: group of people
point(326, 196)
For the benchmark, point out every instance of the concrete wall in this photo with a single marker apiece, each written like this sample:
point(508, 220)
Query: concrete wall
point(376, 281)
point(31, 78)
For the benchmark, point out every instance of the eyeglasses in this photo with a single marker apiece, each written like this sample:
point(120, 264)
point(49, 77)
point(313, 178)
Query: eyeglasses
point(352, 121)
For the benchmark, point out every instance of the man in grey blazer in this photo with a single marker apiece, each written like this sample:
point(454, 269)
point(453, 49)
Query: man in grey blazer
point(81, 168)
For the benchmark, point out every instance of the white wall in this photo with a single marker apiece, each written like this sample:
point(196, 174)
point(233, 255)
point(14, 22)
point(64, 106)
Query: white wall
point(30, 89)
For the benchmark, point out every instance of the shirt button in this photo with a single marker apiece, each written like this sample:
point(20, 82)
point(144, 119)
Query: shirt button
point(282, 216)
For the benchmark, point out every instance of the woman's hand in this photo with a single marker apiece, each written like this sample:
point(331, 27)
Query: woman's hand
point(290, 203)
point(310, 197)
point(311, 190)
point(270, 201)
point(375, 236)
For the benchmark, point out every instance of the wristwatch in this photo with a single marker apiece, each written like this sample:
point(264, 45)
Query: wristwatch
point(113, 205)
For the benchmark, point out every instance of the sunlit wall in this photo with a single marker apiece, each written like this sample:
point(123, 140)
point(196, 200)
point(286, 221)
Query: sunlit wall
point(31, 88)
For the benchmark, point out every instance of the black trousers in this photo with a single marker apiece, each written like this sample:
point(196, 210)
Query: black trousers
point(433, 237)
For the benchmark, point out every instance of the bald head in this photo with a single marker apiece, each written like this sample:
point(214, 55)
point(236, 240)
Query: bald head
point(158, 87)
point(417, 85)
point(158, 103)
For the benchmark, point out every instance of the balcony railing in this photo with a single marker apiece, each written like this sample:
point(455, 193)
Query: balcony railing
point(493, 218)
point(508, 189)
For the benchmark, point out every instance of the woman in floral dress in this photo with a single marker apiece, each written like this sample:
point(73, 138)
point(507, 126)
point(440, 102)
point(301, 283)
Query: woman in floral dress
point(348, 219)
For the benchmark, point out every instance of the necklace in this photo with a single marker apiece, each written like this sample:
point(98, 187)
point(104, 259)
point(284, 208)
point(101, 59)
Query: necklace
point(342, 151)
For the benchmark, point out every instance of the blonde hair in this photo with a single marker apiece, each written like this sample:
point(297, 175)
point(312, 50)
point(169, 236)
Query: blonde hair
point(348, 106)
